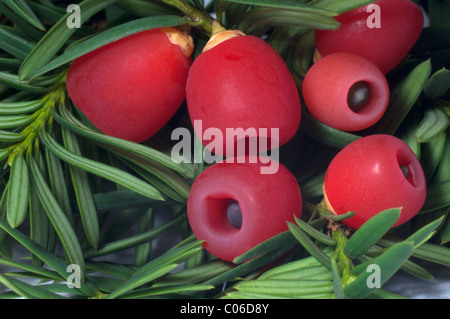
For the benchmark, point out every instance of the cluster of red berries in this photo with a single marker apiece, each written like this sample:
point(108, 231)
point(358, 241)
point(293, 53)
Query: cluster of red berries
point(132, 87)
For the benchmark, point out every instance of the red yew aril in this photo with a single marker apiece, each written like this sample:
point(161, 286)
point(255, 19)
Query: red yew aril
point(345, 91)
point(401, 23)
point(265, 202)
point(131, 87)
point(240, 81)
point(372, 174)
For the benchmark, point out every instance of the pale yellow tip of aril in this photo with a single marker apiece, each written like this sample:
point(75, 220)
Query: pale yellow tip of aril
point(180, 38)
point(219, 35)
point(327, 202)
point(316, 56)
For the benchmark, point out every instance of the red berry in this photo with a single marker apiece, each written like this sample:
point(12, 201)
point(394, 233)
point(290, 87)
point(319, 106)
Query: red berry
point(401, 22)
point(130, 88)
point(224, 189)
point(345, 91)
point(242, 83)
point(373, 174)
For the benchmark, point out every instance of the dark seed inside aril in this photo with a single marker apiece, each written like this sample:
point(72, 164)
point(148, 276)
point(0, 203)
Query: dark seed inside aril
point(408, 177)
point(234, 215)
point(358, 96)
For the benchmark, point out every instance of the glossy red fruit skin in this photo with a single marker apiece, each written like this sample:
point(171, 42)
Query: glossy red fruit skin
point(243, 83)
point(267, 202)
point(130, 88)
point(401, 26)
point(365, 177)
point(327, 83)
